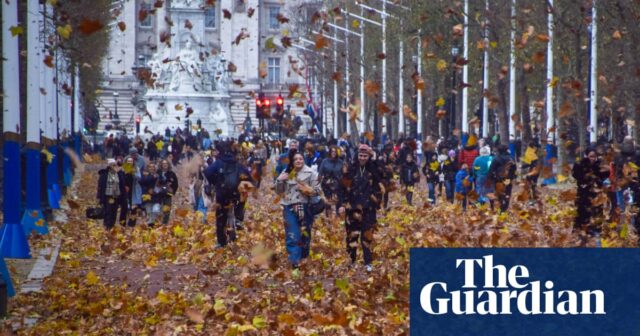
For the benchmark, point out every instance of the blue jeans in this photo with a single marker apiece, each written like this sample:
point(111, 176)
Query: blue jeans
point(297, 234)
point(432, 192)
point(483, 189)
point(448, 188)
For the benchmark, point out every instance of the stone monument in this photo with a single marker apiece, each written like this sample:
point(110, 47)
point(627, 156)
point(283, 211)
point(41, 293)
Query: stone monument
point(187, 82)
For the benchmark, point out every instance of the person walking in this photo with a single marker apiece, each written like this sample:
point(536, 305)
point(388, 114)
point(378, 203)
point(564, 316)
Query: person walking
point(464, 184)
point(590, 176)
point(502, 173)
point(362, 195)
point(111, 190)
point(226, 174)
point(330, 174)
point(409, 176)
point(167, 184)
point(296, 184)
point(481, 172)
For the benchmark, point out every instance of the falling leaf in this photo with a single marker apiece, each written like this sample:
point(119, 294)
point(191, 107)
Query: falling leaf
point(442, 65)
point(188, 24)
point(232, 67)
point(262, 70)
point(408, 113)
point(269, 45)
point(142, 14)
point(371, 87)
point(88, 27)
point(616, 35)
point(16, 30)
point(355, 24)
point(282, 19)
point(542, 38)
point(458, 30)
point(321, 42)
point(48, 61)
point(554, 81)
point(440, 102)
point(64, 31)
point(381, 56)
point(286, 41)
point(226, 14)
point(250, 11)
point(178, 107)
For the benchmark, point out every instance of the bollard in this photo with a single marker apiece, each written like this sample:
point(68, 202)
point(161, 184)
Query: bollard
point(3, 298)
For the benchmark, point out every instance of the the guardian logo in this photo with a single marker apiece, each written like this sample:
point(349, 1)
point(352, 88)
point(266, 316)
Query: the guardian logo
point(505, 292)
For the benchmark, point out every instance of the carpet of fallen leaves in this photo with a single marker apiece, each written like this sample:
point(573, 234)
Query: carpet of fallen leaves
point(170, 280)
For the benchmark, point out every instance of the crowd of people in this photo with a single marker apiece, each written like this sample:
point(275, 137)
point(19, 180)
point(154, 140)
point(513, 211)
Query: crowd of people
point(314, 175)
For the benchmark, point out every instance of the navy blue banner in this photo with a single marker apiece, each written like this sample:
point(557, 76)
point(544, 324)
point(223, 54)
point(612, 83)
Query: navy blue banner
point(479, 291)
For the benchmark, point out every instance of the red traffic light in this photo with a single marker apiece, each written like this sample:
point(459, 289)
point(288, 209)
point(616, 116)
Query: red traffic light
point(258, 102)
point(279, 101)
point(138, 119)
point(267, 102)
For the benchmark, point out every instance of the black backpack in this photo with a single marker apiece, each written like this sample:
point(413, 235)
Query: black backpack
point(230, 179)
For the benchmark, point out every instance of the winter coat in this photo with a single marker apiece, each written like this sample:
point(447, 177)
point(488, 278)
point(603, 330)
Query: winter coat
point(166, 185)
point(589, 178)
point(147, 185)
point(468, 155)
point(502, 167)
point(409, 173)
point(481, 165)
point(463, 187)
point(290, 190)
point(132, 183)
point(431, 167)
point(215, 176)
point(361, 186)
point(449, 169)
point(102, 185)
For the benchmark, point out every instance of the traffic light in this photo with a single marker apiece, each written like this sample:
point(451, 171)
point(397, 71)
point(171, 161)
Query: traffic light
point(137, 124)
point(279, 106)
point(259, 105)
point(266, 106)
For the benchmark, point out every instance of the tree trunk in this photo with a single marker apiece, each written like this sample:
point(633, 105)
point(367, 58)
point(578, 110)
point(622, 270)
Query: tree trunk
point(503, 117)
point(581, 111)
point(525, 112)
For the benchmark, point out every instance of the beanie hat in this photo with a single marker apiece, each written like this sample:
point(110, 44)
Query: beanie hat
point(485, 151)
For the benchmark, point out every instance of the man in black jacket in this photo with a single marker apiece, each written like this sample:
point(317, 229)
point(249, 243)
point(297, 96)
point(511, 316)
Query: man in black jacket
point(590, 176)
point(226, 174)
point(502, 173)
point(362, 195)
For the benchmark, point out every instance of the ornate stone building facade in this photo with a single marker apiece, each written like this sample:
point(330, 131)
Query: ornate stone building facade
point(236, 32)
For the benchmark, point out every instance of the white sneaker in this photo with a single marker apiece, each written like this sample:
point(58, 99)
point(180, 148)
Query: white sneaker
point(369, 268)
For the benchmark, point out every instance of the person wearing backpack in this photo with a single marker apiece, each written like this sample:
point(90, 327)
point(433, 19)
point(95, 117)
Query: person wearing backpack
point(502, 173)
point(225, 175)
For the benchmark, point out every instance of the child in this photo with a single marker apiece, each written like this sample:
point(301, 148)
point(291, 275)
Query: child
point(409, 175)
point(464, 183)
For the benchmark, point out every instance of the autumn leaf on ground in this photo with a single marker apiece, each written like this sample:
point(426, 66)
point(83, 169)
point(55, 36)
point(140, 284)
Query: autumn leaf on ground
point(88, 27)
point(194, 315)
point(371, 87)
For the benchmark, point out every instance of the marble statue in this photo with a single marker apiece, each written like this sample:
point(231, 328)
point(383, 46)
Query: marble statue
point(218, 116)
point(186, 4)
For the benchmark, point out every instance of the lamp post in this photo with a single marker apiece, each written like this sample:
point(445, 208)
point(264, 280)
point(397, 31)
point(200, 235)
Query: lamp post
point(116, 117)
point(452, 101)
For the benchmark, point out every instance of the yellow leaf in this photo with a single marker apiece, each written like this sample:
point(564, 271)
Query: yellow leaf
point(441, 65)
point(194, 315)
point(554, 81)
point(64, 31)
point(259, 322)
point(285, 32)
point(65, 255)
point(246, 327)
point(53, 3)
point(633, 166)
point(219, 307)
point(178, 231)
point(493, 44)
point(440, 102)
point(625, 231)
point(355, 24)
point(561, 178)
point(162, 297)
point(92, 278)
point(16, 30)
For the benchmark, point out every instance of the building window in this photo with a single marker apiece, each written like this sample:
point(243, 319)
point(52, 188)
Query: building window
point(210, 18)
point(145, 7)
point(273, 17)
point(273, 75)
